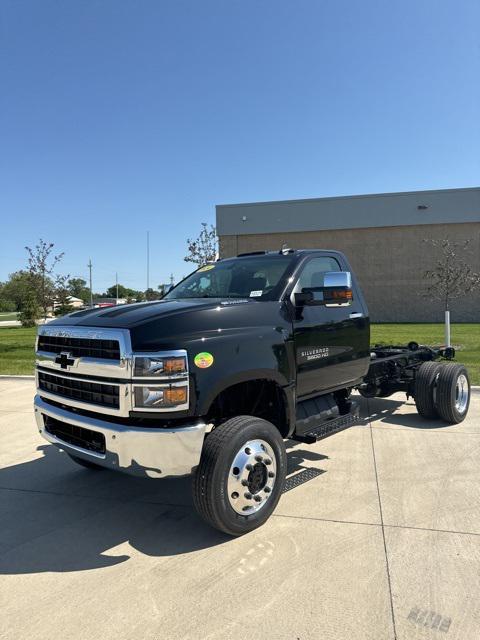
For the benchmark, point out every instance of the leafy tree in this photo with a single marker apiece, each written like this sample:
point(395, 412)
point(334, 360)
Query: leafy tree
point(163, 289)
point(123, 292)
point(451, 277)
point(151, 294)
point(41, 264)
point(18, 285)
point(204, 248)
point(78, 289)
point(30, 310)
point(137, 296)
point(7, 305)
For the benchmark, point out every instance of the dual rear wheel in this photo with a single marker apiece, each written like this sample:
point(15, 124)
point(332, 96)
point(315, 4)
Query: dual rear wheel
point(442, 391)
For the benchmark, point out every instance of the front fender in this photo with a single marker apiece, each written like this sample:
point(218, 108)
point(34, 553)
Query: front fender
point(238, 356)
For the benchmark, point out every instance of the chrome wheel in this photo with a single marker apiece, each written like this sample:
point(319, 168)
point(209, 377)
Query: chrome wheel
point(461, 394)
point(252, 477)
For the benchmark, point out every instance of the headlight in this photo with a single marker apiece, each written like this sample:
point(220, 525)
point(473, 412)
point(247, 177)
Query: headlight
point(168, 397)
point(160, 381)
point(160, 366)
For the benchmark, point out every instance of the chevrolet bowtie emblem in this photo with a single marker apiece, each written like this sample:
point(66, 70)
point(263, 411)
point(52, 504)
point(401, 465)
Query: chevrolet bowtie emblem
point(64, 359)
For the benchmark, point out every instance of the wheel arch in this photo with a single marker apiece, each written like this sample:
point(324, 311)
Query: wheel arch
point(261, 393)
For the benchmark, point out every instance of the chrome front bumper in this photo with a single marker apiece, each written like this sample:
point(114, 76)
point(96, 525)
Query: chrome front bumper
point(151, 452)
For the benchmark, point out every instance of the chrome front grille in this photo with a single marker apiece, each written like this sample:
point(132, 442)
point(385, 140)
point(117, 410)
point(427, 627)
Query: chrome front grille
point(71, 362)
point(106, 395)
point(80, 347)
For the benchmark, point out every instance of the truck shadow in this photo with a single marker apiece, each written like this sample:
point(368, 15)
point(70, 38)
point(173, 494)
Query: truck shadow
point(385, 410)
point(59, 517)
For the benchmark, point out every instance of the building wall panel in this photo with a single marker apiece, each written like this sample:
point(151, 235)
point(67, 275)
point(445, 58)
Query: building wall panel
point(390, 263)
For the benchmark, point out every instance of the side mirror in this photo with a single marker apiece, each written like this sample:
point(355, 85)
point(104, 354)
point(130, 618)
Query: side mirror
point(336, 290)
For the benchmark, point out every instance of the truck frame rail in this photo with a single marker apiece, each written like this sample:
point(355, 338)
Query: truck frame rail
point(393, 367)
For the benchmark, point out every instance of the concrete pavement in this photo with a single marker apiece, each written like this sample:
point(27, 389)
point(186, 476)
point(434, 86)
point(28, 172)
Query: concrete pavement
point(376, 537)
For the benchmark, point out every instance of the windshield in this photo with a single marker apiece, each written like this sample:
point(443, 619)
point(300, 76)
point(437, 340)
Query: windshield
point(258, 277)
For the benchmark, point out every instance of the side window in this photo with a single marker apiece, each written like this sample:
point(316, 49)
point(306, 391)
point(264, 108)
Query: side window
point(313, 272)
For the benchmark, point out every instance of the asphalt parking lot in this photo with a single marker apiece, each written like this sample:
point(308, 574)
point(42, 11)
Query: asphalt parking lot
point(377, 536)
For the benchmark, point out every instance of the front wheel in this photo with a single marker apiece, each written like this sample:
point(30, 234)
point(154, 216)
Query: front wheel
point(241, 474)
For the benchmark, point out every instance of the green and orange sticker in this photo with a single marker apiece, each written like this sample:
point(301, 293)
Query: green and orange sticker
point(203, 360)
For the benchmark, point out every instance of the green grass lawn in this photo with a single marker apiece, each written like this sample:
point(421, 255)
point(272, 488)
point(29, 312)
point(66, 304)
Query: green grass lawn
point(17, 350)
point(17, 357)
point(10, 315)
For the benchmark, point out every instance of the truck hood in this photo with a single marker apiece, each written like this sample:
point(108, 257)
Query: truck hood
point(133, 315)
point(173, 324)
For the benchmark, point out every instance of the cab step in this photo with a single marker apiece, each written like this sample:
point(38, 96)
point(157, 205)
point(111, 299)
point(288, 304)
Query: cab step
point(328, 428)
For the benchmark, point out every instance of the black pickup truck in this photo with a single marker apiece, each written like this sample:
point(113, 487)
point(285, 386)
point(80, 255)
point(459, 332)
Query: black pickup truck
point(241, 355)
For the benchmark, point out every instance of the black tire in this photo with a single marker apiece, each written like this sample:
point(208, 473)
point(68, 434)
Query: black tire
point(425, 378)
point(452, 402)
point(85, 463)
point(210, 495)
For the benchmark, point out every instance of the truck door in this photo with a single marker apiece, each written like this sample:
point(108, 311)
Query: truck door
point(331, 343)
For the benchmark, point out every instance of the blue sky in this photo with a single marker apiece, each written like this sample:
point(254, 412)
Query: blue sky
point(118, 117)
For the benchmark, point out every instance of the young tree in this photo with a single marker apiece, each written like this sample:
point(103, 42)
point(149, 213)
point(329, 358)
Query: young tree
point(30, 310)
point(41, 264)
point(205, 248)
point(62, 296)
point(451, 277)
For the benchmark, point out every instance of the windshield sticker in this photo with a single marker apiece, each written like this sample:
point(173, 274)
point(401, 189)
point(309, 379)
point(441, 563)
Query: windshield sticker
point(203, 360)
point(207, 267)
point(255, 294)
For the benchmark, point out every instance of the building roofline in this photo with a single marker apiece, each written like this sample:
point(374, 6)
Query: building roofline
point(348, 197)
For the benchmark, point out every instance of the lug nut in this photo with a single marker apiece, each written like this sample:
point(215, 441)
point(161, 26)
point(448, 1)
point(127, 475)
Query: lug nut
point(248, 467)
point(244, 483)
point(248, 496)
point(271, 474)
point(267, 461)
point(267, 489)
point(258, 458)
point(257, 499)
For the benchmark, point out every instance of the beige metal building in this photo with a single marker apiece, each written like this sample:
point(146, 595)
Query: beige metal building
point(382, 235)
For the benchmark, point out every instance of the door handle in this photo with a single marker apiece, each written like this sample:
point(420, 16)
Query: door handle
point(356, 315)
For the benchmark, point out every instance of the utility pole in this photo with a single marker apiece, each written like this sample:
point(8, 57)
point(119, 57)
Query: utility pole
point(89, 265)
point(172, 279)
point(148, 259)
point(116, 284)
